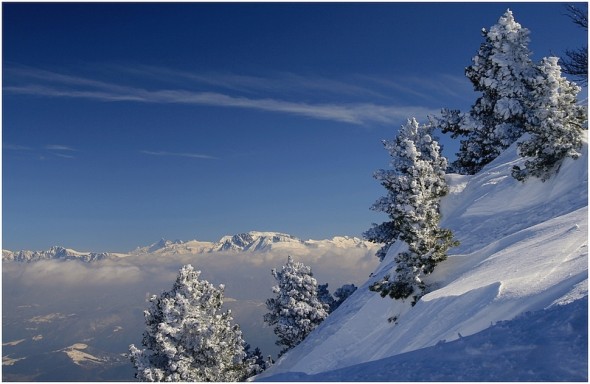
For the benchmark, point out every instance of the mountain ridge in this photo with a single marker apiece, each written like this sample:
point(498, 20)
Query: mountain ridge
point(252, 241)
point(54, 253)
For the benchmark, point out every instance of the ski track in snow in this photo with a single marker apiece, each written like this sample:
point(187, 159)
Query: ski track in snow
point(523, 248)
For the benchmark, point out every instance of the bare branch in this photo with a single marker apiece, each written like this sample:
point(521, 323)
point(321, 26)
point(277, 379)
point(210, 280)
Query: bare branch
point(578, 16)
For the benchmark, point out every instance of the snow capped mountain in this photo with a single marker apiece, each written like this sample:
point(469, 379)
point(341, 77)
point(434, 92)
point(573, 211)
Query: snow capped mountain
point(253, 241)
point(162, 244)
point(54, 253)
point(524, 248)
point(267, 241)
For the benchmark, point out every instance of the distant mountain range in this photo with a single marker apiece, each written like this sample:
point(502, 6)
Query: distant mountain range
point(53, 253)
point(244, 242)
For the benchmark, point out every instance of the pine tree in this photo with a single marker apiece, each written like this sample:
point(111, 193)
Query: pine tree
point(255, 362)
point(296, 309)
point(187, 338)
point(333, 302)
point(555, 123)
point(415, 182)
point(325, 297)
point(500, 71)
point(415, 185)
point(342, 294)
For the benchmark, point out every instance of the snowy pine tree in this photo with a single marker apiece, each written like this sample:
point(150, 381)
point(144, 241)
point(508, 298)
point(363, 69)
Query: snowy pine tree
point(555, 123)
point(415, 184)
point(187, 338)
point(325, 297)
point(296, 309)
point(255, 361)
point(500, 71)
point(342, 294)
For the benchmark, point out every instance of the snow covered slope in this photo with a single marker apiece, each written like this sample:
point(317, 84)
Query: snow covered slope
point(523, 248)
point(545, 345)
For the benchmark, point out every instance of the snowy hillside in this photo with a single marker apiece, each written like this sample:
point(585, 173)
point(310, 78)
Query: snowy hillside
point(523, 249)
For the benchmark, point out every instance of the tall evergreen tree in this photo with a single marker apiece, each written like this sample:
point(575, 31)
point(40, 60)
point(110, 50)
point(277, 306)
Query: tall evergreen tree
point(187, 338)
point(296, 309)
point(500, 71)
point(415, 183)
point(555, 123)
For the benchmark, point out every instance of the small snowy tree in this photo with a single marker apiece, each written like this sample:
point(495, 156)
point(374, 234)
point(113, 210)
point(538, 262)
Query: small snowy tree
point(342, 294)
point(500, 71)
point(255, 361)
point(187, 338)
point(555, 123)
point(325, 297)
point(296, 309)
point(415, 184)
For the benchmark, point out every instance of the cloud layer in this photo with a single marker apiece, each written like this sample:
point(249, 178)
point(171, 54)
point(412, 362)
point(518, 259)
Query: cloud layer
point(101, 303)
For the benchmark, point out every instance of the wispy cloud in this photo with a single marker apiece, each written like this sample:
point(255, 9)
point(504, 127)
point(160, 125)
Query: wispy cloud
point(433, 89)
point(177, 154)
point(50, 84)
point(281, 82)
point(64, 156)
point(354, 113)
point(57, 147)
point(14, 147)
point(59, 150)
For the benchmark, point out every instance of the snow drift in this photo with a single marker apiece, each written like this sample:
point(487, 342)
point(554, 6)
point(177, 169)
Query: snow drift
point(523, 249)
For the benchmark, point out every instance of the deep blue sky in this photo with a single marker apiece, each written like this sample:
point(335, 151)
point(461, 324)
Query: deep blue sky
point(124, 123)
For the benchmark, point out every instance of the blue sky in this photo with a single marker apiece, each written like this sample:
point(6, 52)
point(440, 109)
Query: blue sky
point(126, 122)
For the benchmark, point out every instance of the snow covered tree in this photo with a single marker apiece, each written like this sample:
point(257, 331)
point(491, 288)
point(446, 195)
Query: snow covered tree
point(499, 71)
point(255, 361)
point(342, 294)
point(325, 297)
point(187, 338)
point(415, 185)
point(296, 309)
point(555, 123)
